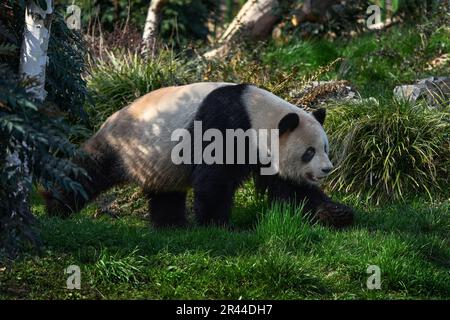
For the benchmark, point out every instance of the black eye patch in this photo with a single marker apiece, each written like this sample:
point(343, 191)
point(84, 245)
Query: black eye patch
point(309, 154)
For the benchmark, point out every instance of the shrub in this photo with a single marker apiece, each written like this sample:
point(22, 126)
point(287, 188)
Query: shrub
point(182, 21)
point(120, 78)
point(388, 150)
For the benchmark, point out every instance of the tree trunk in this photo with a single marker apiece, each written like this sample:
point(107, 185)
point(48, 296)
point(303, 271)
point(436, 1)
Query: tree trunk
point(255, 20)
point(150, 34)
point(33, 56)
point(33, 61)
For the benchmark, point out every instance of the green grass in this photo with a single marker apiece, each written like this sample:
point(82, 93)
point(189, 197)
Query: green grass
point(272, 253)
point(374, 63)
point(389, 149)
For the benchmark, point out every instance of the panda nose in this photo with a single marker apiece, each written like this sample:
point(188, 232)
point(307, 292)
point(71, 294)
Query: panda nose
point(327, 170)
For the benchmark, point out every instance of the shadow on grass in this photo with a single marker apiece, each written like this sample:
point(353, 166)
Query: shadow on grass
point(81, 233)
point(425, 229)
point(281, 257)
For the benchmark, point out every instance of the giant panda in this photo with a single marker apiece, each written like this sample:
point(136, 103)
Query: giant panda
point(134, 145)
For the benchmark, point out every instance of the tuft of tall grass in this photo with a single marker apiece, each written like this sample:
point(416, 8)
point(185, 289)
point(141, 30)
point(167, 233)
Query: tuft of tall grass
point(248, 205)
point(115, 268)
point(283, 227)
point(120, 77)
point(389, 150)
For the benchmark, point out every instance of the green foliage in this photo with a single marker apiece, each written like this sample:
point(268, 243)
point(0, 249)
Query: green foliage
point(397, 56)
point(8, 49)
point(389, 150)
point(419, 10)
point(283, 227)
point(120, 78)
point(182, 21)
point(64, 83)
point(248, 205)
point(35, 133)
point(374, 62)
point(116, 268)
point(304, 55)
point(243, 65)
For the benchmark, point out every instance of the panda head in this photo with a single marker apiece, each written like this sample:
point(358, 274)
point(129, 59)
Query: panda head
point(303, 147)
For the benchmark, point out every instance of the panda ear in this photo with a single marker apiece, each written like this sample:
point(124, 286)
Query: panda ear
point(288, 123)
point(320, 114)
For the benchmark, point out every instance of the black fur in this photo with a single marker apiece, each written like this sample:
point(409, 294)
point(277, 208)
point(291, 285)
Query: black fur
point(308, 155)
point(168, 209)
point(104, 170)
point(288, 123)
point(320, 114)
point(214, 185)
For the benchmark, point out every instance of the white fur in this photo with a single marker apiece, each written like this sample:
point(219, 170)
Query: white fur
point(140, 133)
point(266, 110)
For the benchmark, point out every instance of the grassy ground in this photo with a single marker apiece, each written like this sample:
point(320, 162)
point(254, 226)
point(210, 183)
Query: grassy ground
point(270, 253)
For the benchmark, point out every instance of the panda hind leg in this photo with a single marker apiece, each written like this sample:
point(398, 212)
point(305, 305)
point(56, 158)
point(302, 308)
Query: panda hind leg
point(167, 209)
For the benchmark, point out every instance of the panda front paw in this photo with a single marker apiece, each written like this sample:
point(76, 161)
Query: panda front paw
point(334, 215)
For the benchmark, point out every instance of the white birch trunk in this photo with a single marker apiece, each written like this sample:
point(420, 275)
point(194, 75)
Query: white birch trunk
point(255, 20)
point(33, 61)
point(151, 27)
point(33, 56)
